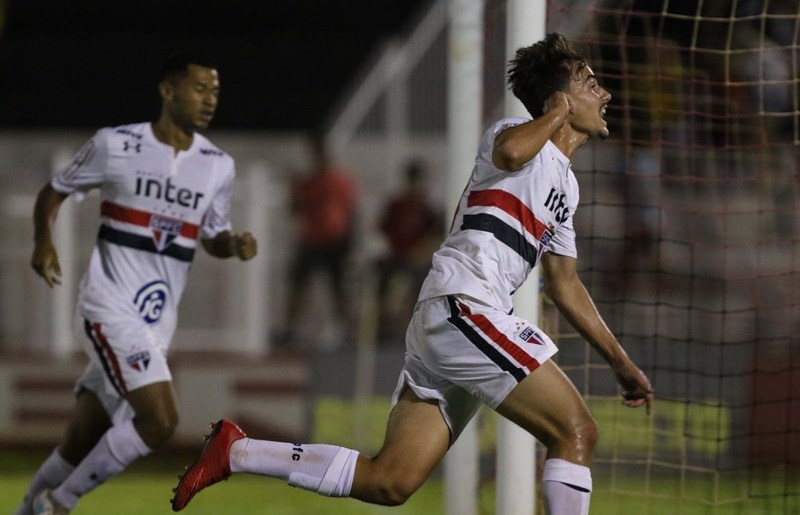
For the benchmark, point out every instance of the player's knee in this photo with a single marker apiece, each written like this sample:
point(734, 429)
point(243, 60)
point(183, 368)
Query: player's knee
point(157, 428)
point(394, 495)
point(166, 424)
point(394, 491)
point(583, 437)
point(575, 439)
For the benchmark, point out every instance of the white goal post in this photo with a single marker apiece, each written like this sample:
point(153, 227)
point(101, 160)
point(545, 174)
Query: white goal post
point(516, 450)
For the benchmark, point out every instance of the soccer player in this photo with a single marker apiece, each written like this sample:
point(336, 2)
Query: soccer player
point(464, 346)
point(162, 186)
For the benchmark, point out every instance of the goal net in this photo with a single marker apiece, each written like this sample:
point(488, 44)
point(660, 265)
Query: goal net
point(688, 242)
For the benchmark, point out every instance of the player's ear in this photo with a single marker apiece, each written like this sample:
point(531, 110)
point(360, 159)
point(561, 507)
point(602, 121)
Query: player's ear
point(165, 90)
point(548, 103)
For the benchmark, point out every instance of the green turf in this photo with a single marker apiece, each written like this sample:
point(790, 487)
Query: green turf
point(144, 491)
point(145, 488)
point(138, 494)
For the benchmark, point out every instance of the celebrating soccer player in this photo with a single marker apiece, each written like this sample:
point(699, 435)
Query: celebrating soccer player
point(463, 345)
point(162, 187)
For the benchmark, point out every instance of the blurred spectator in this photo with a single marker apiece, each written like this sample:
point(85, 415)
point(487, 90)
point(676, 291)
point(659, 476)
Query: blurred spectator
point(652, 121)
point(325, 201)
point(413, 227)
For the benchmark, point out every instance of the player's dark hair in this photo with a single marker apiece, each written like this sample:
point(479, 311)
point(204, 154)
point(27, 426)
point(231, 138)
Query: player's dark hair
point(176, 64)
point(539, 70)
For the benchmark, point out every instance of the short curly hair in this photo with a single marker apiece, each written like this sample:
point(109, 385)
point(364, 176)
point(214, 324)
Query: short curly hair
point(539, 70)
point(177, 63)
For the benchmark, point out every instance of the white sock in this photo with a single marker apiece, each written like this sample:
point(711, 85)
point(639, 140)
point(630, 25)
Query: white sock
point(566, 488)
point(119, 447)
point(325, 469)
point(51, 473)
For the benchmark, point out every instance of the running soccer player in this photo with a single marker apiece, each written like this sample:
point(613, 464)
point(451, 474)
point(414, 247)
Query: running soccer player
point(163, 186)
point(463, 346)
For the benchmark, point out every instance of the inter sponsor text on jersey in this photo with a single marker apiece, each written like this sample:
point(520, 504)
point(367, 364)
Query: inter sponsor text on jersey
point(155, 204)
point(503, 224)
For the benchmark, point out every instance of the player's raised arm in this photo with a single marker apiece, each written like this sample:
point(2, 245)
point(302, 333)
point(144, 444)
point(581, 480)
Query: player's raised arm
point(519, 144)
point(565, 287)
point(228, 244)
point(45, 258)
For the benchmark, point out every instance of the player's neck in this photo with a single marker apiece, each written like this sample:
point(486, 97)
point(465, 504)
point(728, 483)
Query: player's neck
point(568, 140)
point(171, 134)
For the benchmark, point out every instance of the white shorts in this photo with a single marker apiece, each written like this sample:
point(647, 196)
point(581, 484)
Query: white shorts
point(461, 353)
point(123, 356)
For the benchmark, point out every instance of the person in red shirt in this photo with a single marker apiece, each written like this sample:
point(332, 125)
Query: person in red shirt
point(325, 202)
point(413, 227)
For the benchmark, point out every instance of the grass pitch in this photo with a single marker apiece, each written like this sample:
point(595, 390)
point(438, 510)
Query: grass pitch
point(146, 489)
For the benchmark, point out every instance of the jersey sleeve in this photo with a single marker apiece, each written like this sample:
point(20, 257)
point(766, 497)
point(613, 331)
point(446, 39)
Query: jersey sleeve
point(563, 241)
point(218, 217)
point(87, 169)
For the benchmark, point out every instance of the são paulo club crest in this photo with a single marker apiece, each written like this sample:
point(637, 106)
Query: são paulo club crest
point(544, 240)
point(139, 360)
point(529, 335)
point(150, 300)
point(164, 230)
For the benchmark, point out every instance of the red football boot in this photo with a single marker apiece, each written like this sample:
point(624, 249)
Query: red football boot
point(212, 466)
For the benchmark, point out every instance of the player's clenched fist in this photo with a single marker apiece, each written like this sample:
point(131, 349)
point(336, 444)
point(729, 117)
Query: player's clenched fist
point(45, 262)
point(245, 246)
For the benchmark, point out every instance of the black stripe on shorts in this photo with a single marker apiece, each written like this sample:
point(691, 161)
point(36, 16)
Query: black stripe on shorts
point(473, 336)
point(87, 326)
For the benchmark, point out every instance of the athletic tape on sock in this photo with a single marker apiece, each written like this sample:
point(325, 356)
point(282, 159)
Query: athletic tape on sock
point(338, 479)
point(125, 443)
point(568, 473)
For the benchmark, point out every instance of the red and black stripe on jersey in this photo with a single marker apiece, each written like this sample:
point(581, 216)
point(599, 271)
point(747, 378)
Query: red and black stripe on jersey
point(505, 233)
point(136, 241)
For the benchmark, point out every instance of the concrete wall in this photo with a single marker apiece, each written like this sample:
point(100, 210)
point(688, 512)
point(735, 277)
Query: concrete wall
point(267, 396)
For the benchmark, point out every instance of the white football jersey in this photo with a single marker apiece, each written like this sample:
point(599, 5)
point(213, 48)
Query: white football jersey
point(504, 222)
point(155, 204)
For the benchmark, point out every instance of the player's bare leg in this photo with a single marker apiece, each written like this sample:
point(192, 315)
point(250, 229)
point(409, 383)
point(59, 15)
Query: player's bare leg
point(88, 423)
point(122, 443)
point(417, 439)
point(156, 409)
point(548, 406)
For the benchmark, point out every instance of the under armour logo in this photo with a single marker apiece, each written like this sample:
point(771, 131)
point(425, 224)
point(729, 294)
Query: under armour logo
point(127, 145)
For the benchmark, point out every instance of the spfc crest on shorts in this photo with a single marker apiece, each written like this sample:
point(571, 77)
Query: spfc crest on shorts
point(529, 335)
point(139, 361)
point(164, 230)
